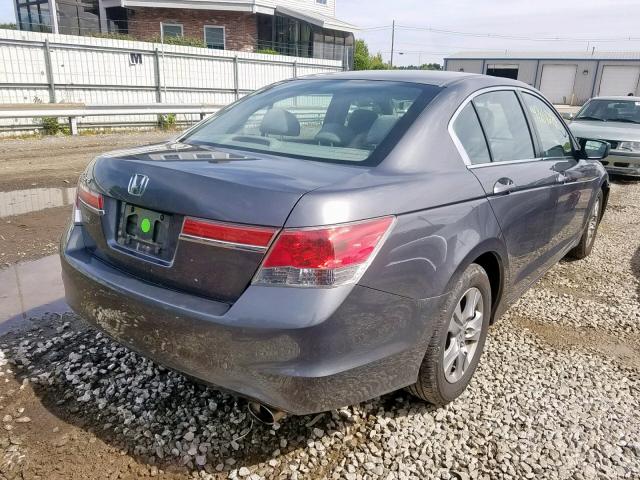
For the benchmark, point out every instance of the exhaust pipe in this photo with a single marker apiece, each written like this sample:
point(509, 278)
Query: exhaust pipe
point(264, 414)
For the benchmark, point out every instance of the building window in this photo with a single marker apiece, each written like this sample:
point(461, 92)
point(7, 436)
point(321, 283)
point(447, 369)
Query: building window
point(503, 71)
point(331, 45)
point(171, 30)
point(290, 36)
point(78, 17)
point(214, 37)
point(117, 20)
point(321, 2)
point(33, 15)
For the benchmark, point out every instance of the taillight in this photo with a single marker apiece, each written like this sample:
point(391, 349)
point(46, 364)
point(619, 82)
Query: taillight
point(323, 257)
point(228, 235)
point(89, 198)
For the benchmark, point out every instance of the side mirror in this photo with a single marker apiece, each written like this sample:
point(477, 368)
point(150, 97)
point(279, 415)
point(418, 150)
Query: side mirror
point(568, 115)
point(594, 149)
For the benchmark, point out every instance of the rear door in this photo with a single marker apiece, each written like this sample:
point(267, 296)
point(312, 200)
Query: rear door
point(575, 178)
point(520, 187)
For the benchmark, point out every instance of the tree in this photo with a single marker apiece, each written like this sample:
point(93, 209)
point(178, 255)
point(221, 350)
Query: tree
point(431, 66)
point(377, 63)
point(361, 59)
point(426, 66)
point(8, 26)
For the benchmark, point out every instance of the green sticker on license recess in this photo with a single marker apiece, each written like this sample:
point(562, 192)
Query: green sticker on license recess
point(145, 225)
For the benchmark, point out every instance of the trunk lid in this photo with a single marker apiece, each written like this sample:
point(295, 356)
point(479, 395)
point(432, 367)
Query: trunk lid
point(195, 181)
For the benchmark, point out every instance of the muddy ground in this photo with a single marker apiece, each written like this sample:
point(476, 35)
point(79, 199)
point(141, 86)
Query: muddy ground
point(30, 163)
point(33, 235)
point(58, 161)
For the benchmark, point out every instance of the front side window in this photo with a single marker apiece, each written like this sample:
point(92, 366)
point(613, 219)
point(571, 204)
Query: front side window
point(344, 121)
point(505, 126)
point(554, 138)
point(214, 37)
point(171, 30)
point(469, 132)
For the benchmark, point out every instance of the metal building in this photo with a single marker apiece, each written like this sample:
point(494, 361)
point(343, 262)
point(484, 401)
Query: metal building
point(565, 78)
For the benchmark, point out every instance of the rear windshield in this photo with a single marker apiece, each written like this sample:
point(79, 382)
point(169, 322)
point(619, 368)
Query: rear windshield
point(626, 111)
point(340, 121)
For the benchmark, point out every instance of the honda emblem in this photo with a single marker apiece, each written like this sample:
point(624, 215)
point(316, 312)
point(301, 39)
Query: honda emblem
point(138, 184)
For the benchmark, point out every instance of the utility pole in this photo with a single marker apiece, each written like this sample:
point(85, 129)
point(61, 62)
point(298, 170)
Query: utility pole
point(393, 40)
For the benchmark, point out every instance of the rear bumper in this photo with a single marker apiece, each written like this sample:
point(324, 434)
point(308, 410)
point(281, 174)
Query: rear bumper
point(622, 164)
point(299, 350)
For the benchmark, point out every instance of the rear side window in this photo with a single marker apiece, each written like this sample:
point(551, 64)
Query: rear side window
point(467, 129)
point(505, 126)
point(554, 138)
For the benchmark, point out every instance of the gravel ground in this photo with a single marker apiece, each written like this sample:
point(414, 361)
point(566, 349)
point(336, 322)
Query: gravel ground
point(557, 395)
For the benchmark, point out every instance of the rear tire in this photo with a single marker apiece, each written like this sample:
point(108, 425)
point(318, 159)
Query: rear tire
point(458, 340)
point(583, 249)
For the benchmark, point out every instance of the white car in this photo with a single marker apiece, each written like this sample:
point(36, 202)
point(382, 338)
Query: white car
point(617, 121)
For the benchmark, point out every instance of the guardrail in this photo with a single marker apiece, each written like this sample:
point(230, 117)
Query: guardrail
point(73, 111)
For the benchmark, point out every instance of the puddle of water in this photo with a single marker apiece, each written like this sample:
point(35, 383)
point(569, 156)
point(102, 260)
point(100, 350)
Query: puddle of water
point(30, 289)
point(19, 202)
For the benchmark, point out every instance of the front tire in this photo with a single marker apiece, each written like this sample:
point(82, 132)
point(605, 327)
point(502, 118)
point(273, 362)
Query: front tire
point(458, 340)
point(583, 249)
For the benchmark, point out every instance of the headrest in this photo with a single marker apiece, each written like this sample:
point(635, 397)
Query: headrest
point(361, 120)
point(380, 129)
point(278, 121)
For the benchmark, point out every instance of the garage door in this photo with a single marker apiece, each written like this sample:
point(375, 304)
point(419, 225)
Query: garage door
point(619, 80)
point(557, 82)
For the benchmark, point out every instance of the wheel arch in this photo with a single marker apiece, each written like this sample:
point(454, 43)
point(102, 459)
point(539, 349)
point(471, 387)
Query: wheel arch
point(605, 187)
point(492, 257)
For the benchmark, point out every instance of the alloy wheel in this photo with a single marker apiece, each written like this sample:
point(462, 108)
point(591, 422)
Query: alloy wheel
point(465, 328)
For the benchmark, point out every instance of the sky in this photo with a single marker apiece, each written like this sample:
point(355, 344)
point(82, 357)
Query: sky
point(7, 13)
point(579, 20)
point(581, 24)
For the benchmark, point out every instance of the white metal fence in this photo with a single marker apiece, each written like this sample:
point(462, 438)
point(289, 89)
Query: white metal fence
point(48, 68)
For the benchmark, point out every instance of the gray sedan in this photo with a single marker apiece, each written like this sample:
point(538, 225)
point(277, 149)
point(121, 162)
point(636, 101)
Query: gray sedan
point(617, 121)
point(330, 239)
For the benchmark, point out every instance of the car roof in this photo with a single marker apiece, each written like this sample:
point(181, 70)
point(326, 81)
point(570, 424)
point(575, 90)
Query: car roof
point(618, 98)
point(427, 77)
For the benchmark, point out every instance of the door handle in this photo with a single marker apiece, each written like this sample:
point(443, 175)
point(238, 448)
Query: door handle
point(504, 186)
point(563, 179)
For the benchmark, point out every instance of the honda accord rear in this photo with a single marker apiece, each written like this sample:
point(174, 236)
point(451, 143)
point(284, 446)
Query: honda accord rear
point(313, 245)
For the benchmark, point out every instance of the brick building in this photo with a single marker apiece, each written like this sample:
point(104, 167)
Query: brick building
point(306, 28)
point(219, 29)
